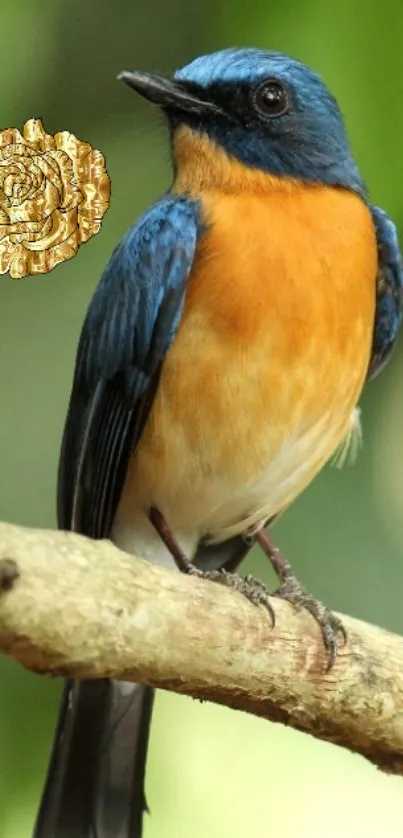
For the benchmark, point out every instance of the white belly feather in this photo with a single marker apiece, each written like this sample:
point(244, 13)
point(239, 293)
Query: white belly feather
point(212, 507)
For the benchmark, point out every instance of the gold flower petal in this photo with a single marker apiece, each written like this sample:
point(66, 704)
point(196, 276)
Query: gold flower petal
point(6, 252)
point(76, 149)
point(43, 261)
point(63, 225)
point(34, 132)
point(72, 196)
point(35, 210)
point(10, 136)
point(14, 151)
point(19, 263)
point(18, 232)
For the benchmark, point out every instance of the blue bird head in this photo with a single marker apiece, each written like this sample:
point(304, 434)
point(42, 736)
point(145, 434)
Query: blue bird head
point(267, 110)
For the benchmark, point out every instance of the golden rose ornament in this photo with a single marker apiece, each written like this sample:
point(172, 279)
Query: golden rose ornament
point(54, 192)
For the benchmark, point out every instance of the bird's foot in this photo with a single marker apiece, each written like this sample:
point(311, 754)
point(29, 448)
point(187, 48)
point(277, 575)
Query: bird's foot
point(333, 631)
point(291, 590)
point(253, 589)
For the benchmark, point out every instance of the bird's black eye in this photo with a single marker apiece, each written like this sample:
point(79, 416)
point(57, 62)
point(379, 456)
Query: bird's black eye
point(270, 99)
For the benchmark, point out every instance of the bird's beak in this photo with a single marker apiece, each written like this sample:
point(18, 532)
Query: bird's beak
point(167, 93)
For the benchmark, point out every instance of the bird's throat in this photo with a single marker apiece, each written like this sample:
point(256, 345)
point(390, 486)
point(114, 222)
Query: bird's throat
point(202, 165)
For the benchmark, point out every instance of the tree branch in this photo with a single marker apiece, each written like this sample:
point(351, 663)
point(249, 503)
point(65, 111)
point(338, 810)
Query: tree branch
point(80, 608)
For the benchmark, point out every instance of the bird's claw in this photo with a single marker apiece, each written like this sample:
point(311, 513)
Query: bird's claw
point(253, 589)
point(331, 626)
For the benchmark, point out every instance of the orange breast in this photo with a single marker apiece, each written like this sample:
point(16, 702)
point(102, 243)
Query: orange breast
point(269, 361)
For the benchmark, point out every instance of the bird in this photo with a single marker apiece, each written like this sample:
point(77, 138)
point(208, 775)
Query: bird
point(219, 367)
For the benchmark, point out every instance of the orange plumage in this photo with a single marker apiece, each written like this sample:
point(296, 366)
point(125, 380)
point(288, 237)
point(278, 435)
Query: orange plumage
point(260, 384)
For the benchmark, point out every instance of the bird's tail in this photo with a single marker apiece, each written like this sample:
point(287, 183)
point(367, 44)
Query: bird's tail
point(95, 781)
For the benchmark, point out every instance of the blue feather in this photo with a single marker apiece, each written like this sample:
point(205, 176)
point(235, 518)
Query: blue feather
point(130, 325)
point(389, 291)
point(136, 308)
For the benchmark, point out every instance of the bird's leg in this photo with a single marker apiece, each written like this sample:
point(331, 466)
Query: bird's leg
point(291, 590)
point(253, 589)
point(166, 535)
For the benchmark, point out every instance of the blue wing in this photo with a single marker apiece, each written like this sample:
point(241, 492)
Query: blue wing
point(130, 324)
point(389, 291)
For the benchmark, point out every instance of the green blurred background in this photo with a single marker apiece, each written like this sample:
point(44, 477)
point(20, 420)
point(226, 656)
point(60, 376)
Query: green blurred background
point(211, 771)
